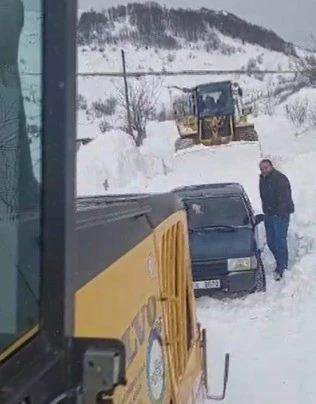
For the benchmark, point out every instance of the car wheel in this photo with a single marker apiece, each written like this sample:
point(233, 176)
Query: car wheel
point(261, 284)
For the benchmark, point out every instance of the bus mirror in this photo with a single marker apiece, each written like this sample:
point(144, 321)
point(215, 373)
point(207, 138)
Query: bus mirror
point(103, 368)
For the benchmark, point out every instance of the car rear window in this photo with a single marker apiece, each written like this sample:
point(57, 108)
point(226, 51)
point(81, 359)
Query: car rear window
point(210, 211)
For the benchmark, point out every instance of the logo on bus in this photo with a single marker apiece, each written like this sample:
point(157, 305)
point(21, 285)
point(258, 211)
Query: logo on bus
point(156, 370)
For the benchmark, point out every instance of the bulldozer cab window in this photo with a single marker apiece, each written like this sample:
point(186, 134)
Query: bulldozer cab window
point(185, 106)
point(192, 105)
point(20, 168)
point(215, 102)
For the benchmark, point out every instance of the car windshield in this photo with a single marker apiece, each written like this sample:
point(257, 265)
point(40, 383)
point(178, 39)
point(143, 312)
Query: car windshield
point(219, 211)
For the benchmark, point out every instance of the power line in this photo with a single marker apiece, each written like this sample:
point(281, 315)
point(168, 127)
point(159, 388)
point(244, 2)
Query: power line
point(177, 73)
point(183, 73)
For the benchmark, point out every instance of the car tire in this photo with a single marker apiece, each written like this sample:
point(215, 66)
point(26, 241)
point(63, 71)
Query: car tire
point(261, 283)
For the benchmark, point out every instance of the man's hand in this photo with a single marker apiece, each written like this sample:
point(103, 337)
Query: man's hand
point(259, 218)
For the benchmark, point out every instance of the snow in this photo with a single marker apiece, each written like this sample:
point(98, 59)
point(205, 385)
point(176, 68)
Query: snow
point(271, 336)
point(114, 157)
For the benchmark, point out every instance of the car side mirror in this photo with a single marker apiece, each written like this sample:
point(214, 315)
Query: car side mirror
point(259, 219)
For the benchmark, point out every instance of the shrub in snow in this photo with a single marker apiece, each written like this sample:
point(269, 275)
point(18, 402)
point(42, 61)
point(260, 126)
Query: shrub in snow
point(259, 76)
point(269, 101)
point(168, 42)
point(306, 68)
point(251, 65)
point(104, 126)
point(311, 116)
point(227, 50)
point(104, 108)
point(297, 111)
point(171, 57)
point(82, 103)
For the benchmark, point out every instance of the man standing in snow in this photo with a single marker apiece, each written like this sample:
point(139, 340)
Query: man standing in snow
point(277, 206)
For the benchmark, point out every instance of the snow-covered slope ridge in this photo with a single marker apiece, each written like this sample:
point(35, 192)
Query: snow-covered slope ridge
point(156, 38)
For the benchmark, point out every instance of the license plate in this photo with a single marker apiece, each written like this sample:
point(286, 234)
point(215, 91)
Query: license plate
point(211, 284)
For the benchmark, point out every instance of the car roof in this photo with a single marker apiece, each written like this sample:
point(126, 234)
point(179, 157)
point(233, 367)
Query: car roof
point(210, 190)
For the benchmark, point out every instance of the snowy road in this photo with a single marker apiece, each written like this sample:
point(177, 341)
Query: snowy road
point(270, 336)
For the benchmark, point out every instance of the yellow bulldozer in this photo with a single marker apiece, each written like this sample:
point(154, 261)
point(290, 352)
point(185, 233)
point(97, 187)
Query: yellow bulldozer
point(212, 114)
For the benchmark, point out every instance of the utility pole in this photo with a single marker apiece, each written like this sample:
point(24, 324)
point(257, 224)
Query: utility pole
point(126, 95)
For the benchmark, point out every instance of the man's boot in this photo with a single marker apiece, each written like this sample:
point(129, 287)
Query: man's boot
point(277, 274)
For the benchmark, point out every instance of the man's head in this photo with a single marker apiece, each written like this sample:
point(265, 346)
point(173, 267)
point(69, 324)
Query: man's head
point(266, 167)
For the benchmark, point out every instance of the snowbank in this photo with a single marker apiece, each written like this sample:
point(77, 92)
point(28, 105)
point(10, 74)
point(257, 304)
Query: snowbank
point(160, 140)
point(114, 157)
point(235, 162)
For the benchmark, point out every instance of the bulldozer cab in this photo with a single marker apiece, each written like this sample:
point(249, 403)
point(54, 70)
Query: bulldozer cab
point(214, 99)
point(212, 114)
point(215, 108)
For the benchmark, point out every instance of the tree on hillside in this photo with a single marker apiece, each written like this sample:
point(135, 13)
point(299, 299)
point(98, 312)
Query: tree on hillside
point(143, 97)
point(305, 66)
point(91, 25)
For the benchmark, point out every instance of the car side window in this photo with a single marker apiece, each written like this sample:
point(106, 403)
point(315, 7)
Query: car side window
point(20, 170)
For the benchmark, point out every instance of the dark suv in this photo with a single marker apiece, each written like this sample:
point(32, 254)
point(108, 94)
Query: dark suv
point(223, 238)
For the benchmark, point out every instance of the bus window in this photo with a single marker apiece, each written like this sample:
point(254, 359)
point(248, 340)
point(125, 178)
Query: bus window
point(20, 171)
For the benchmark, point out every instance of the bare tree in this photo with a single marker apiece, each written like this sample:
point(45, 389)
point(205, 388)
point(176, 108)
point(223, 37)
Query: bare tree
point(297, 111)
point(305, 65)
point(306, 68)
point(268, 101)
point(143, 97)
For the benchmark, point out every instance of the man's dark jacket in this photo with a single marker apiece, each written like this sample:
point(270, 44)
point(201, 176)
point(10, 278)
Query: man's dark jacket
point(276, 194)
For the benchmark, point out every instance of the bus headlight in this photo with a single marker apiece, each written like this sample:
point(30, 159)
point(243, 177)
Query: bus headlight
point(242, 264)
